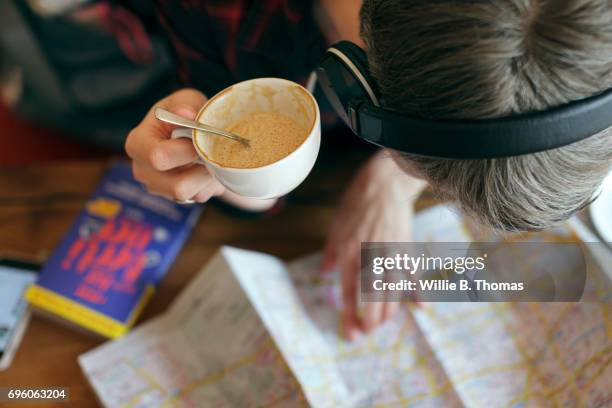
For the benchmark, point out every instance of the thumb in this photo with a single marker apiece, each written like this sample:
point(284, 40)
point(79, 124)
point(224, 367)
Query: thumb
point(185, 102)
point(185, 111)
point(190, 99)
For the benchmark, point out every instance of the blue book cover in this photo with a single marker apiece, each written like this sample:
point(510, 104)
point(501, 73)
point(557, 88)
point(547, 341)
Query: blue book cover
point(116, 252)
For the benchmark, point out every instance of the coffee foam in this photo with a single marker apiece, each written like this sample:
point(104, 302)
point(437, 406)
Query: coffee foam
point(272, 136)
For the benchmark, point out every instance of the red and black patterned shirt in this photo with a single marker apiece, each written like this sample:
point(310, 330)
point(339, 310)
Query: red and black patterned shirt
point(217, 43)
point(220, 42)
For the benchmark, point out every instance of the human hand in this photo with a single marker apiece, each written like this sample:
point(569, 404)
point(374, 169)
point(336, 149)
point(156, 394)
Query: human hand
point(167, 166)
point(377, 207)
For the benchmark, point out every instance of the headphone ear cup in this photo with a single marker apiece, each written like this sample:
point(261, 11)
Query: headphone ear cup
point(345, 78)
point(359, 58)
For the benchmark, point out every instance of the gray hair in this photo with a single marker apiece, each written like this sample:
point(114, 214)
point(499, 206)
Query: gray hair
point(453, 59)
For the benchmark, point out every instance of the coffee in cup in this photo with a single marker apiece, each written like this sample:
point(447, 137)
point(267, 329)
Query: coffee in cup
point(272, 136)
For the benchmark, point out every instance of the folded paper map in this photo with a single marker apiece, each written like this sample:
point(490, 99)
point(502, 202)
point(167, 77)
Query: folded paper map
point(251, 330)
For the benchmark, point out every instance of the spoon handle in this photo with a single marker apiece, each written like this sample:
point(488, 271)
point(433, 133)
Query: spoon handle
point(169, 117)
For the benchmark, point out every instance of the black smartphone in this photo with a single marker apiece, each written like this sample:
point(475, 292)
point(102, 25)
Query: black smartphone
point(16, 276)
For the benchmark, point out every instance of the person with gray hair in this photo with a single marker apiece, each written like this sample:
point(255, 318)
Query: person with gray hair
point(432, 59)
point(452, 59)
point(488, 59)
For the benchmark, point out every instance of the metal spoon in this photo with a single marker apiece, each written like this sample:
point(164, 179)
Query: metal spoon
point(169, 117)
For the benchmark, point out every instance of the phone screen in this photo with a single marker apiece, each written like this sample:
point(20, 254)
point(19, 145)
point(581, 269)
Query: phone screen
point(15, 277)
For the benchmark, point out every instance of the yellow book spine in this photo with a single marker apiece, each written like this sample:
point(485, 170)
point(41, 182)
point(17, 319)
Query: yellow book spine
point(82, 315)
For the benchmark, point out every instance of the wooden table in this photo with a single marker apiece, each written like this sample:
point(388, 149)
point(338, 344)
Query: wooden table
point(39, 203)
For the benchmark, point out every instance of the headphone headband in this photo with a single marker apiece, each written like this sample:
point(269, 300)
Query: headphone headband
point(514, 135)
point(486, 138)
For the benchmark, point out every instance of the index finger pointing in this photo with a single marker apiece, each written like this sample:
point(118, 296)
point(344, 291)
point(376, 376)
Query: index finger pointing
point(350, 318)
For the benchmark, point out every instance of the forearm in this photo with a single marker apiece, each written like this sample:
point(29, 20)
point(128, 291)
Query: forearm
point(383, 169)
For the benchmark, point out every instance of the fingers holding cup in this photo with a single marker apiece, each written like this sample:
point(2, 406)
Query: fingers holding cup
point(192, 182)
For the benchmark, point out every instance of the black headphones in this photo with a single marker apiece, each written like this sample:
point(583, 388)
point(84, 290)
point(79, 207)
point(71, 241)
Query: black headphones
point(345, 78)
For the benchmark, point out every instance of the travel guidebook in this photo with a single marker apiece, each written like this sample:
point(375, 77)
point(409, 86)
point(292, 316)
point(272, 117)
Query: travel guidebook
point(252, 330)
point(114, 255)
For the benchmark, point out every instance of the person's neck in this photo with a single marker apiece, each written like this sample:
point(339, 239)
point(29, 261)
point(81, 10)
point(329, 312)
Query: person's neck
point(339, 20)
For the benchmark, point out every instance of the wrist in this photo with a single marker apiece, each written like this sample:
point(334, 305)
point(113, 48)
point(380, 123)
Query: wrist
point(384, 169)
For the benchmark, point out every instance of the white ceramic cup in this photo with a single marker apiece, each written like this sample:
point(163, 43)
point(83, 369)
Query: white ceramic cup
point(262, 95)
